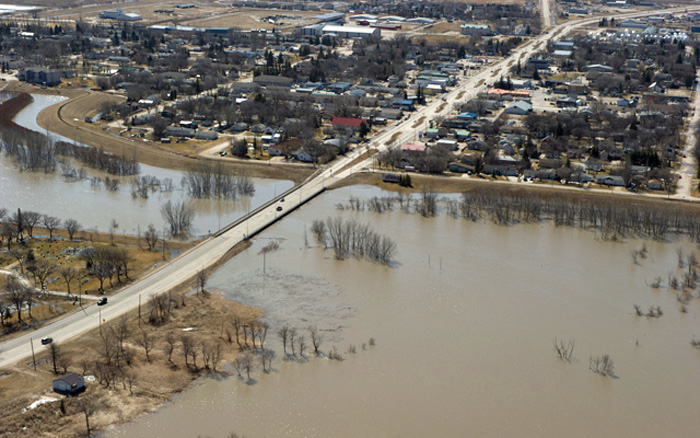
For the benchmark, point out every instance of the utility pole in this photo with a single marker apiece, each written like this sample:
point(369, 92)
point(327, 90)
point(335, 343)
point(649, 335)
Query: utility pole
point(31, 342)
point(139, 310)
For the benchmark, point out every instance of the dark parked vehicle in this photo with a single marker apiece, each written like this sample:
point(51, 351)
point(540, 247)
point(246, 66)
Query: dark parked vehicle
point(102, 301)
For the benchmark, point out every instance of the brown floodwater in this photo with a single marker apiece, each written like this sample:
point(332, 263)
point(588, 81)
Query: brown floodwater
point(463, 324)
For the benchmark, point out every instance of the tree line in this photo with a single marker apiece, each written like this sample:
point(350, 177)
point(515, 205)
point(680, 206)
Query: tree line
point(209, 181)
point(352, 239)
point(614, 218)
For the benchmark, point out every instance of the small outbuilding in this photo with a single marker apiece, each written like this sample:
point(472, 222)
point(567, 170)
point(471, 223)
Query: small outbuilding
point(69, 384)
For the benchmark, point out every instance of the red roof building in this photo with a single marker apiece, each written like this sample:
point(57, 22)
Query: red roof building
point(413, 147)
point(347, 122)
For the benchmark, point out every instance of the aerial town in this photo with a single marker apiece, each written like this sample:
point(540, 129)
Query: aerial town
point(209, 208)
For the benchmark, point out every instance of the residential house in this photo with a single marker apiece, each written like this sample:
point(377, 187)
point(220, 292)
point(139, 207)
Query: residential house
point(594, 165)
point(610, 180)
point(520, 108)
point(404, 104)
point(456, 167)
point(206, 135)
point(174, 131)
point(347, 122)
point(626, 103)
point(304, 156)
point(69, 384)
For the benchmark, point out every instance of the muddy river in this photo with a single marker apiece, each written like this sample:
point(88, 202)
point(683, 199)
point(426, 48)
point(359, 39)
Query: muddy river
point(464, 324)
point(95, 207)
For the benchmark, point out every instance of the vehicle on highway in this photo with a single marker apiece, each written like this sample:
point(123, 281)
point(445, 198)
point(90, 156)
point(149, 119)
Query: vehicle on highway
point(279, 208)
point(46, 341)
point(102, 301)
point(281, 199)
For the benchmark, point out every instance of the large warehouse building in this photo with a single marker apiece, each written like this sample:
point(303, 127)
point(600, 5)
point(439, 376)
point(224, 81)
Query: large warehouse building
point(119, 16)
point(351, 31)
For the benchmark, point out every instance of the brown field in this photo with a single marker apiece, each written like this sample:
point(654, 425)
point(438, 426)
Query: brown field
point(249, 18)
point(444, 27)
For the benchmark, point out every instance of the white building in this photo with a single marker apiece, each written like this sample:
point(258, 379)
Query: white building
point(351, 31)
point(119, 16)
point(475, 29)
point(363, 17)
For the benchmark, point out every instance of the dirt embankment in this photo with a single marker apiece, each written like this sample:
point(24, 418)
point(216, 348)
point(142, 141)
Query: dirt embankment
point(11, 107)
point(128, 382)
point(67, 119)
point(447, 184)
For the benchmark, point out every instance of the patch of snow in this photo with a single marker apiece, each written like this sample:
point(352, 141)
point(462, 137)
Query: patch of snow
point(42, 400)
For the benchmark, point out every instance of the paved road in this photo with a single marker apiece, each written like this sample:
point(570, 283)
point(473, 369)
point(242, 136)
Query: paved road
point(686, 172)
point(208, 252)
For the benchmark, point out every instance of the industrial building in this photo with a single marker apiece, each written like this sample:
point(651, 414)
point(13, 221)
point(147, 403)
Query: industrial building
point(475, 29)
point(351, 31)
point(329, 17)
point(119, 16)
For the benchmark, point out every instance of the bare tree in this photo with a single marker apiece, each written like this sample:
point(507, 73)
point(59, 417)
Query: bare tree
point(292, 334)
point(563, 350)
point(170, 346)
point(316, 339)
point(302, 346)
point(146, 341)
point(41, 270)
point(88, 406)
point(50, 223)
point(56, 353)
point(187, 347)
point(69, 274)
point(114, 225)
point(237, 325)
point(179, 217)
point(602, 365)
point(151, 236)
point(262, 334)
point(21, 257)
point(30, 220)
point(201, 282)
point(283, 334)
point(72, 226)
point(17, 294)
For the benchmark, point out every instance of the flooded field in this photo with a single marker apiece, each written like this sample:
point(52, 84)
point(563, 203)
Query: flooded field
point(464, 324)
point(95, 207)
